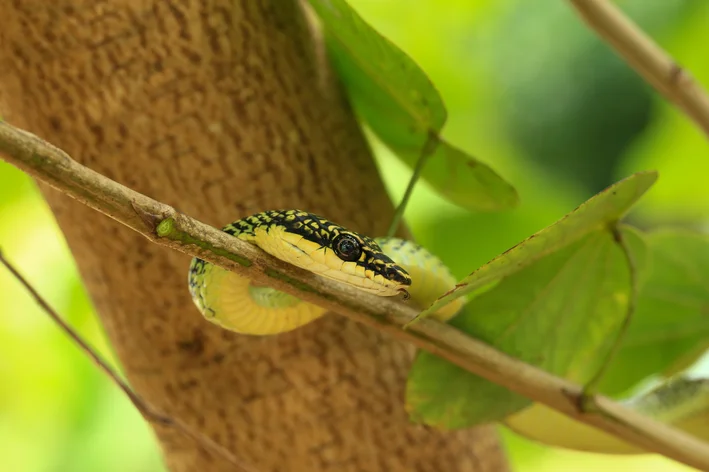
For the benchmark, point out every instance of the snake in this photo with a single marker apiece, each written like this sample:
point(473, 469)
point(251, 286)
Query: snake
point(385, 266)
point(389, 266)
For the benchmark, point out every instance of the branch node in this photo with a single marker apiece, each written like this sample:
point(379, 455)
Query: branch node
point(587, 403)
point(150, 220)
point(676, 75)
point(165, 227)
point(647, 58)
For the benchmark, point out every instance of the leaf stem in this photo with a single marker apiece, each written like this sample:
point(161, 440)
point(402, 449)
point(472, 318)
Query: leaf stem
point(426, 152)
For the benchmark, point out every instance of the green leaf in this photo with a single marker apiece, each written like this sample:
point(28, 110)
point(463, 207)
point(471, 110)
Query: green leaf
point(393, 95)
point(463, 180)
point(671, 324)
point(557, 313)
point(393, 91)
point(601, 210)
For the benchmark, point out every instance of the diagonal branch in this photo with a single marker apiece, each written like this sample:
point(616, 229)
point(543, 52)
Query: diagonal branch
point(647, 58)
point(144, 408)
point(163, 225)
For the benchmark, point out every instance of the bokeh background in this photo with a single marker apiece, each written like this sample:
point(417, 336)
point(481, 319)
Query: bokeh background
point(529, 90)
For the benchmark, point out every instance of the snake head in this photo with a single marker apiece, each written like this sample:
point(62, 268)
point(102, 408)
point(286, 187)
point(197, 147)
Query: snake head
point(365, 266)
point(329, 250)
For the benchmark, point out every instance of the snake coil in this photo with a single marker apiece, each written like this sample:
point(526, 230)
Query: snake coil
point(313, 243)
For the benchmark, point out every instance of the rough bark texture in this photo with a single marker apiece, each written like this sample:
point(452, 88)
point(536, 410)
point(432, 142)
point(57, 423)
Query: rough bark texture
point(221, 108)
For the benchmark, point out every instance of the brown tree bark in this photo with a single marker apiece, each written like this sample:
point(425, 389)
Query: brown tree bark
point(221, 108)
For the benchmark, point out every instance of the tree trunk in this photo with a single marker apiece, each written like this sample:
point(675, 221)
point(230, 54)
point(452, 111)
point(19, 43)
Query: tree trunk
point(221, 108)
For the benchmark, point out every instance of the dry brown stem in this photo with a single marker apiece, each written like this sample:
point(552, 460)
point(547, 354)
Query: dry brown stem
point(647, 58)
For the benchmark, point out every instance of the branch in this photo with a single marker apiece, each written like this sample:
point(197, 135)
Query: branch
point(144, 408)
point(427, 151)
point(647, 58)
point(161, 224)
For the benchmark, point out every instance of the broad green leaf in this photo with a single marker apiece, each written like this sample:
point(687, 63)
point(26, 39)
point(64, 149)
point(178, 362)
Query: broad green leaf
point(463, 180)
point(402, 107)
point(558, 313)
point(601, 210)
point(671, 324)
point(394, 93)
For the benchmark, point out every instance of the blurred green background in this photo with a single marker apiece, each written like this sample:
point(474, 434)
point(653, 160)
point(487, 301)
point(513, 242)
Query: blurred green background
point(529, 90)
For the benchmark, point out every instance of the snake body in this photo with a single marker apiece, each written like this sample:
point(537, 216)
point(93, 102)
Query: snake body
point(383, 266)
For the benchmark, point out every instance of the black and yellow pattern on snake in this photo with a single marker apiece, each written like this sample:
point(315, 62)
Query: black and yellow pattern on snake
point(313, 243)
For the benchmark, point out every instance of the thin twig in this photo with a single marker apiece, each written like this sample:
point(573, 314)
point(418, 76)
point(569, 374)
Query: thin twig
point(426, 152)
point(189, 236)
point(141, 405)
point(591, 387)
point(647, 58)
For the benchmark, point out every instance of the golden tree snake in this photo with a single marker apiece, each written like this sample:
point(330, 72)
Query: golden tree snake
point(391, 267)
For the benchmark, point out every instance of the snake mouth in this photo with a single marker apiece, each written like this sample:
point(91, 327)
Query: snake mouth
point(405, 293)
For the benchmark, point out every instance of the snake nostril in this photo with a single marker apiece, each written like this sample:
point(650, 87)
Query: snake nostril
point(405, 293)
point(396, 275)
point(391, 273)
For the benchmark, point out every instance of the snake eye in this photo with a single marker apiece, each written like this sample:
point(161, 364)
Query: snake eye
point(347, 248)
